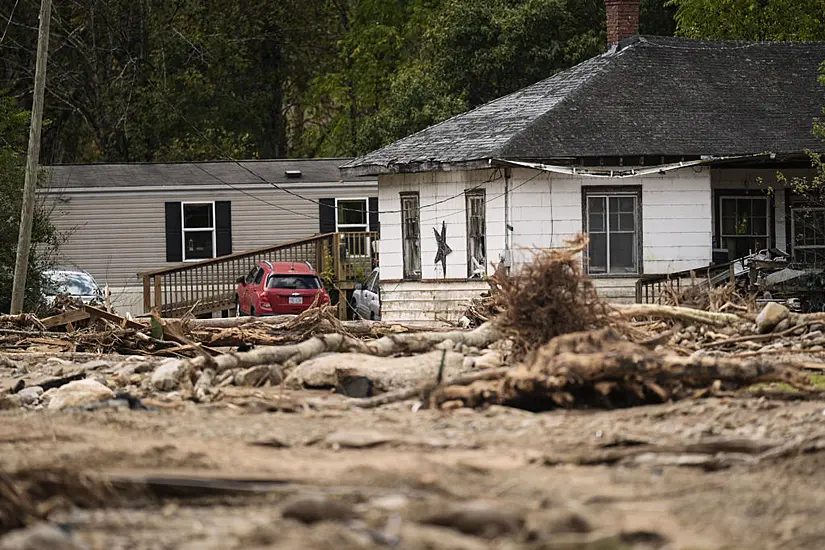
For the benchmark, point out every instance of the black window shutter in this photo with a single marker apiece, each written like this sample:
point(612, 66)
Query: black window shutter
point(327, 215)
point(373, 212)
point(223, 228)
point(174, 233)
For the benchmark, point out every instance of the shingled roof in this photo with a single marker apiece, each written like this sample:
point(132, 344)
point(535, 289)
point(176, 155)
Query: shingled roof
point(193, 174)
point(648, 96)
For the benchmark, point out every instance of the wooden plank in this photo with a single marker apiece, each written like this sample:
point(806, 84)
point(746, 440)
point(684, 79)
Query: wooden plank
point(147, 295)
point(71, 316)
point(117, 319)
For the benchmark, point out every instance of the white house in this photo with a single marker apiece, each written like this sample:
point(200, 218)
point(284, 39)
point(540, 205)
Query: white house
point(661, 149)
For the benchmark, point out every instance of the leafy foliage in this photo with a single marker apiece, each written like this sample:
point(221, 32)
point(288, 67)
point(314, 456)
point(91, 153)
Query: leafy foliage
point(786, 20)
point(13, 126)
point(151, 80)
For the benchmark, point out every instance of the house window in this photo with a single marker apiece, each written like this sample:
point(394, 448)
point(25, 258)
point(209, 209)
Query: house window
point(198, 230)
point(476, 234)
point(612, 222)
point(745, 226)
point(808, 230)
point(351, 215)
point(411, 235)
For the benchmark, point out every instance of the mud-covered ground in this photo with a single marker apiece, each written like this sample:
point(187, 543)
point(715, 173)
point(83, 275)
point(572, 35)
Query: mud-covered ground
point(233, 475)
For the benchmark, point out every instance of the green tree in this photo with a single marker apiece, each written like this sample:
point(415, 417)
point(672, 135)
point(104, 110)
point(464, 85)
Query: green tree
point(783, 20)
point(13, 132)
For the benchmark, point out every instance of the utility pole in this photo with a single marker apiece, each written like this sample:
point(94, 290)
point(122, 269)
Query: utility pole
point(32, 160)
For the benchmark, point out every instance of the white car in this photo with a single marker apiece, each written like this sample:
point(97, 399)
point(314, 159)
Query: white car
point(71, 282)
point(366, 298)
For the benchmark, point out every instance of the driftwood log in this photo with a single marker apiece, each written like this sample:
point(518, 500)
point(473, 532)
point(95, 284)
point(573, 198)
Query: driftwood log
point(393, 344)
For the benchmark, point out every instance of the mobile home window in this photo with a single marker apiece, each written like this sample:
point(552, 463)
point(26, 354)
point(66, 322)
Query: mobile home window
point(476, 234)
point(198, 230)
point(351, 215)
point(808, 230)
point(411, 235)
point(612, 222)
point(745, 226)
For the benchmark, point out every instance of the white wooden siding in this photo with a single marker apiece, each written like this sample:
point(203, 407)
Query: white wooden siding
point(545, 211)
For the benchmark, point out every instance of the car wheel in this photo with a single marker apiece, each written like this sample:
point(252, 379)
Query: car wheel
point(252, 311)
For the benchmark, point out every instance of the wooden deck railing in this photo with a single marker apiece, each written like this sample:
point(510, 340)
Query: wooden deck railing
point(651, 289)
point(208, 286)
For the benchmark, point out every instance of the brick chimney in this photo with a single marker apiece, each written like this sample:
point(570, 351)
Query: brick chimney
point(622, 20)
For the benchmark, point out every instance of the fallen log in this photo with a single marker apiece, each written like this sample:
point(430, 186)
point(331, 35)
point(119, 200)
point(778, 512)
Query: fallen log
point(678, 313)
point(326, 343)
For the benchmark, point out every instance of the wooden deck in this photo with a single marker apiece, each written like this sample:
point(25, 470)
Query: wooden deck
point(208, 286)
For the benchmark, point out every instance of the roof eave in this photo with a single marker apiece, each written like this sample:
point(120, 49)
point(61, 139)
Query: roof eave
point(363, 170)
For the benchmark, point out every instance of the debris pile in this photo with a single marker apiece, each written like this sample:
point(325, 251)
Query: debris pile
point(548, 296)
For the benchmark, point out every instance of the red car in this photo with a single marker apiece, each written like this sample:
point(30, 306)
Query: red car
point(278, 288)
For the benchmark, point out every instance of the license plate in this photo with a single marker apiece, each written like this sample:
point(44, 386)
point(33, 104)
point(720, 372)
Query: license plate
point(296, 300)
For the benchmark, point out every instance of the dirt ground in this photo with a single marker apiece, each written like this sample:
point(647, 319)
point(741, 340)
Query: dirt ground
point(229, 476)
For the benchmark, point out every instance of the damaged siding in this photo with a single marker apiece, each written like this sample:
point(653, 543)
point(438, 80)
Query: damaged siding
point(545, 211)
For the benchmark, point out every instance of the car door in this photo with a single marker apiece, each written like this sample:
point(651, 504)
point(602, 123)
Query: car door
point(364, 298)
point(245, 290)
point(373, 298)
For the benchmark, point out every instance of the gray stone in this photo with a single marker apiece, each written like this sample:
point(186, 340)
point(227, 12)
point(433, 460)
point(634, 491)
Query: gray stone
point(813, 335)
point(43, 536)
point(359, 439)
point(168, 375)
point(770, 316)
point(79, 393)
point(30, 395)
point(95, 364)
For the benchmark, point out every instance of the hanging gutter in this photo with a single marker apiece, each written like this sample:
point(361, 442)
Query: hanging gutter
point(616, 174)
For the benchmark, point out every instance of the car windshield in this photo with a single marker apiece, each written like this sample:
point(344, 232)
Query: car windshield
point(73, 284)
point(301, 282)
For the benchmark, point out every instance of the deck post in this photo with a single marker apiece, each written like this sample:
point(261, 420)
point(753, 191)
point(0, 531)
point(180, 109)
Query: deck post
point(147, 294)
point(158, 295)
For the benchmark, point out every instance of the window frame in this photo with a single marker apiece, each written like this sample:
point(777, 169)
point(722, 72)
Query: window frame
point(634, 191)
point(794, 209)
point(719, 195)
point(470, 195)
point(184, 230)
point(347, 227)
point(407, 272)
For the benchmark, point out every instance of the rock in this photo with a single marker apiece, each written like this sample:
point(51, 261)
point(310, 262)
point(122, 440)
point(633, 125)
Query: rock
point(95, 364)
point(770, 316)
point(469, 363)
point(813, 335)
point(314, 509)
point(79, 393)
point(30, 395)
point(253, 377)
point(43, 536)
point(358, 439)
point(168, 375)
point(783, 325)
point(477, 518)
point(465, 322)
